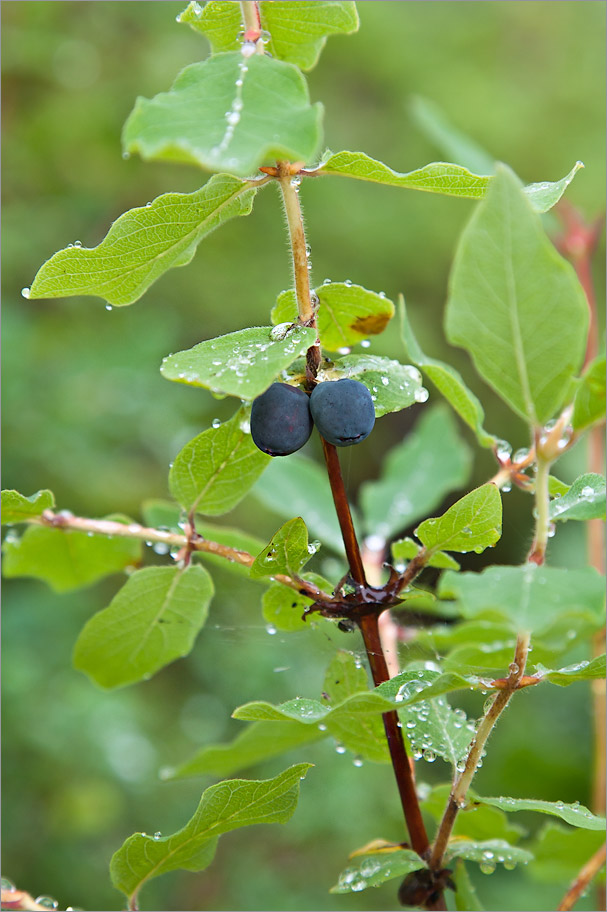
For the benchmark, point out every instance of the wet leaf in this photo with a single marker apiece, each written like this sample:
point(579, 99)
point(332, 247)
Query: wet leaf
point(393, 386)
point(17, 507)
point(587, 670)
point(407, 548)
point(488, 852)
point(286, 553)
point(584, 500)
point(375, 870)
point(575, 814)
point(472, 524)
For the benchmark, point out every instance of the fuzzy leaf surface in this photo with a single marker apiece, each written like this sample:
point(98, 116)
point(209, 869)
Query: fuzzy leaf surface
point(529, 597)
point(472, 524)
point(439, 177)
point(581, 671)
point(286, 553)
point(299, 485)
point(347, 313)
point(243, 363)
point(18, 508)
point(584, 500)
point(407, 548)
point(143, 244)
point(223, 807)
point(259, 741)
point(376, 869)
point(510, 295)
point(393, 386)
point(65, 559)
point(448, 382)
point(298, 34)
point(416, 474)
point(575, 814)
point(188, 123)
point(589, 403)
point(153, 620)
point(215, 470)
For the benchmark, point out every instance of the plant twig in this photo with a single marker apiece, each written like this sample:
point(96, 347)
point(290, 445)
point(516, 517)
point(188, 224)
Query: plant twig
point(582, 881)
point(487, 722)
point(194, 542)
point(342, 508)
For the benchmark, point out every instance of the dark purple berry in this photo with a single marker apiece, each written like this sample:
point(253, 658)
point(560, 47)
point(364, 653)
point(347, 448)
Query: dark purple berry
point(342, 411)
point(280, 420)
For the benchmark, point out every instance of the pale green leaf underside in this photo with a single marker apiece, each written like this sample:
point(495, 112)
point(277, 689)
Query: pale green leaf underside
point(489, 851)
point(589, 403)
point(376, 869)
point(475, 822)
point(223, 807)
point(406, 549)
point(529, 597)
point(298, 32)
point(18, 508)
point(215, 470)
point(447, 381)
point(410, 687)
point(65, 559)
point(510, 295)
point(143, 244)
point(393, 386)
point(311, 712)
point(189, 123)
point(259, 741)
point(438, 177)
point(472, 524)
point(575, 814)
point(286, 553)
point(581, 671)
point(417, 474)
point(153, 620)
point(299, 485)
point(242, 363)
point(347, 313)
point(584, 500)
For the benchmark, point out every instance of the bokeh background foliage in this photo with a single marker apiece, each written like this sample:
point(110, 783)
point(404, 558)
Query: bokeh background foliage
point(87, 414)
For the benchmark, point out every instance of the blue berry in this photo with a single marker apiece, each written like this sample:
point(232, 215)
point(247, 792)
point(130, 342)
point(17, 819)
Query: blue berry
point(280, 420)
point(342, 411)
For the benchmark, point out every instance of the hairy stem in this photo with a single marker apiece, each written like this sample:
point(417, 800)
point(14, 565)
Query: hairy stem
point(250, 15)
point(542, 503)
point(172, 539)
point(487, 722)
point(398, 754)
point(297, 238)
point(342, 507)
point(582, 881)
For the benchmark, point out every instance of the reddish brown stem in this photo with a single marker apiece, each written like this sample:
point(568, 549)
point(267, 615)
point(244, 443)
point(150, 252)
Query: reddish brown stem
point(342, 507)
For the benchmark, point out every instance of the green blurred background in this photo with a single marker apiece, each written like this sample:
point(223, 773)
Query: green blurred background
point(87, 414)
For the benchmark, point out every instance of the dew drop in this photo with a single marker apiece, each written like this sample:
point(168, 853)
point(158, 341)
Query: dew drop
point(161, 548)
point(126, 155)
point(157, 835)
point(430, 756)
point(25, 292)
point(247, 49)
point(216, 422)
point(271, 629)
point(233, 117)
point(509, 865)
point(551, 530)
point(421, 394)
point(326, 281)
point(108, 307)
point(8, 885)
point(507, 487)
point(295, 182)
point(77, 243)
point(348, 282)
point(358, 761)
point(586, 491)
point(339, 748)
point(365, 343)
point(487, 867)
point(47, 902)
point(322, 727)
point(382, 294)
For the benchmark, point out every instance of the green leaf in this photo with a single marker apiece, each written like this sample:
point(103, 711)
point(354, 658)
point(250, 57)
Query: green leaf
point(299, 33)
point(393, 386)
point(433, 123)
point(189, 123)
point(589, 402)
point(560, 853)
point(344, 677)
point(447, 381)
point(299, 485)
point(143, 244)
point(465, 896)
point(242, 363)
point(347, 313)
point(18, 508)
point(311, 712)
point(258, 742)
point(363, 734)
point(283, 608)
point(215, 470)
point(223, 807)
point(414, 687)
point(488, 853)
point(556, 487)
point(406, 548)
point(65, 559)
point(153, 620)
point(575, 814)
point(286, 553)
point(376, 869)
point(581, 671)
point(528, 598)
point(219, 20)
point(417, 474)
point(472, 524)
point(474, 821)
point(585, 499)
point(510, 295)
point(438, 177)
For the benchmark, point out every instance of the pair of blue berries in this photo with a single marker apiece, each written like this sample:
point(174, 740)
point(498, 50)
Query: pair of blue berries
point(282, 418)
